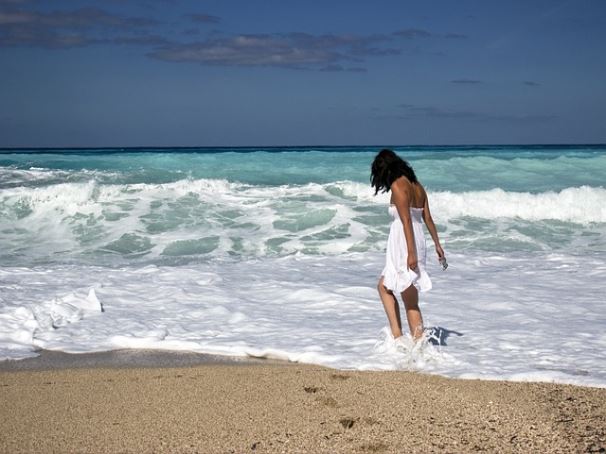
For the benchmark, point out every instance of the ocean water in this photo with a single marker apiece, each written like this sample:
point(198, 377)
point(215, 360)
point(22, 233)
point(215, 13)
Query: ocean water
point(276, 253)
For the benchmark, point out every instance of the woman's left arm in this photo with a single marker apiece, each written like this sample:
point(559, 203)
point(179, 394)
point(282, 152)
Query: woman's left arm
point(431, 226)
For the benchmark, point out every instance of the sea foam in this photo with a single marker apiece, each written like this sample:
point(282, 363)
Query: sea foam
point(491, 317)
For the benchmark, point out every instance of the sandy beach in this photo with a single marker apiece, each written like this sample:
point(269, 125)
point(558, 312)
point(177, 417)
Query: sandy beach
point(282, 407)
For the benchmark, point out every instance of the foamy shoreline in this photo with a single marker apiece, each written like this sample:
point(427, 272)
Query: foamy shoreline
point(498, 315)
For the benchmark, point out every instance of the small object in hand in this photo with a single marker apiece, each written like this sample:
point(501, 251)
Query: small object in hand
point(444, 263)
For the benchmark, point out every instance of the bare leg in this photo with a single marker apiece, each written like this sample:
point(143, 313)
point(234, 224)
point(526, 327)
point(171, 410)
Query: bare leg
point(413, 313)
point(392, 309)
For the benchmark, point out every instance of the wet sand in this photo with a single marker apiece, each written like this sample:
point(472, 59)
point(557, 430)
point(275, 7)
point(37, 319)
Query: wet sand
point(126, 358)
point(279, 407)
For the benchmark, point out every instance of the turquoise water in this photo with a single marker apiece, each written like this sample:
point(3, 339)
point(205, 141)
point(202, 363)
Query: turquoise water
point(514, 168)
point(175, 206)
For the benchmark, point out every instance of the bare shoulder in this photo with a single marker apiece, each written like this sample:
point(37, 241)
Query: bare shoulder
point(401, 191)
point(401, 186)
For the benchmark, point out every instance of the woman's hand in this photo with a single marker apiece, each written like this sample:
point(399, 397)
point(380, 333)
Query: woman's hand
point(412, 261)
point(440, 251)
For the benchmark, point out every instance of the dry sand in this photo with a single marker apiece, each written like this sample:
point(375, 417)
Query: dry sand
point(290, 408)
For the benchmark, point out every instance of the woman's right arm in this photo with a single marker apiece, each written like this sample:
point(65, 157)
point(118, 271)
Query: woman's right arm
point(401, 200)
point(432, 227)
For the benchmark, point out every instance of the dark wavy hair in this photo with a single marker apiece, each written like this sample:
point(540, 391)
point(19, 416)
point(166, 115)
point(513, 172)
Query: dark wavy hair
point(386, 168)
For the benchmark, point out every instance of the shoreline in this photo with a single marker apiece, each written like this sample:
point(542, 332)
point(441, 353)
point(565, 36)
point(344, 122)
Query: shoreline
point(287, 407)
point(48, 360)
point(135, 358)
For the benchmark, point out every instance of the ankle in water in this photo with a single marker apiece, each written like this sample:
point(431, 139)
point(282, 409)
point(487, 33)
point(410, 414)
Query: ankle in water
point(417, 332)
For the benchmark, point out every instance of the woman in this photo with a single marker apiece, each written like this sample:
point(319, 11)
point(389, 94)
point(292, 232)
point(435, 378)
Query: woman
point(404, 271)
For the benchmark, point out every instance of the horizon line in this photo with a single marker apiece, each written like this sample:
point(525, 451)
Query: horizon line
point(196, 147)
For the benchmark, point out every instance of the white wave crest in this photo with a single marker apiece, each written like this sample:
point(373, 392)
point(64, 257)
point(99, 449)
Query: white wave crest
point(581, 205)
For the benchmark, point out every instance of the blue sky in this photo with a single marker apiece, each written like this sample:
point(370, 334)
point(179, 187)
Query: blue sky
point(289, 72)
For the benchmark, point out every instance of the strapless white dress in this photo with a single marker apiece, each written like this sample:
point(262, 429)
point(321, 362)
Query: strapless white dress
point(397, 276)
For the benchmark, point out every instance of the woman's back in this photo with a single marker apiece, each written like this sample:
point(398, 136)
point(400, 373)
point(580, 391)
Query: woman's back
point(415, 191)
point(417, 195)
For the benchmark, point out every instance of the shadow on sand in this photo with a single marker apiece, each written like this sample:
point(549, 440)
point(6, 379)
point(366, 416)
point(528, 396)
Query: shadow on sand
point(437, 335)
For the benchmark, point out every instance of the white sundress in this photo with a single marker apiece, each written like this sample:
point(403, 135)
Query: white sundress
point(396, 275)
